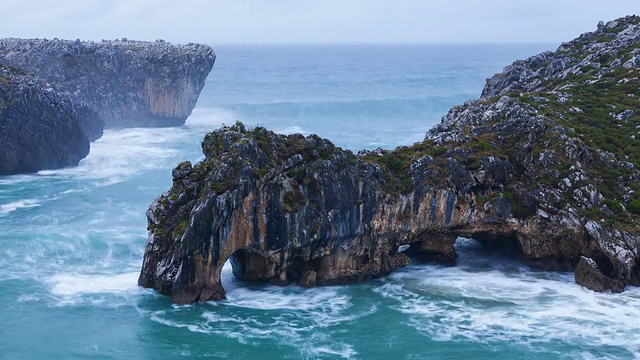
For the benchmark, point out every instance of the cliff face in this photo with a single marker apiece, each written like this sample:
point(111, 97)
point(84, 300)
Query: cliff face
point(127, 83)
point(39, 128)
point(544, 163)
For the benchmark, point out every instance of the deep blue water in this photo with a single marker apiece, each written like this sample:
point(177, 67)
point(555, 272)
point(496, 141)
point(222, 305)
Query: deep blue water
point(72, 240)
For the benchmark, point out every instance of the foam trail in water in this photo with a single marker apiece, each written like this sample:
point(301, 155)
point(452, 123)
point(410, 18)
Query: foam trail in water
point(512, 303)
point(122, 153)
point(71, 285)
point(209, 118)
point(290, 316)
point(13, 206)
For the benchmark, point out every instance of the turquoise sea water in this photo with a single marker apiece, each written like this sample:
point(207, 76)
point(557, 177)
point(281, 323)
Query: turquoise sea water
point(72, 240)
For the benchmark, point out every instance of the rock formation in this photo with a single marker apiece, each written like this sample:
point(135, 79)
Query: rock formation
point(39, 128)
point(544, 163)
point(113, 83)
point(127, 83)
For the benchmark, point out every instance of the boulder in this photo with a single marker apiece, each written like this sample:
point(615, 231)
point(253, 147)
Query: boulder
point(589, 275)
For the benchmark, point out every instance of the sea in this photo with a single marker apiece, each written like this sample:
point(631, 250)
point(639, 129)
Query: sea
point(72, 240)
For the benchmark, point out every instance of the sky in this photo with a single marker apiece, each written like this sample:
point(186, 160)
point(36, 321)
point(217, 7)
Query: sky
point(309, 21)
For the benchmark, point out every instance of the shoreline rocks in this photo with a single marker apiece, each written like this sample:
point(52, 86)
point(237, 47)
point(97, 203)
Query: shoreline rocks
point(589, 275)
point(39, 128)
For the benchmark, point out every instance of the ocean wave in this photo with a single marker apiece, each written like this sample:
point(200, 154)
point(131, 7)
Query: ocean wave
point(122, 153)
point(305, 319)
point(512, 305)
point(435, 106)
point(20, 204)
point(209, 118)
point(69, 285)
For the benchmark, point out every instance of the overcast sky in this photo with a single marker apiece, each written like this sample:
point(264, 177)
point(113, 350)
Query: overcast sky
point(311, 21)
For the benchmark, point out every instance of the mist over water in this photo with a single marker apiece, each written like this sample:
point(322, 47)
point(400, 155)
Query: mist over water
point(72, 240)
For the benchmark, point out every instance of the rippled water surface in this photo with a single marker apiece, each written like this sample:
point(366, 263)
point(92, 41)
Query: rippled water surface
point(72, 240)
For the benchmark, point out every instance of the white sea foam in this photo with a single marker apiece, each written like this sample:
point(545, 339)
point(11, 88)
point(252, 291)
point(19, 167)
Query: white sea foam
point(516, 305)
point(209, 118)
point(345, 352)
point(17, 179)
point(122, 153)
point(20, 204)
point(67, 285)
point(290, 316)
point(28, 298)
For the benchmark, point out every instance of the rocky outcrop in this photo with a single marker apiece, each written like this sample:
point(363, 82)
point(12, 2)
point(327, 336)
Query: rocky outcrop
point(287, 209)
point(612, 45)
point(540, 164)
point(589, 275)
point(39, 128)
point(127, 83)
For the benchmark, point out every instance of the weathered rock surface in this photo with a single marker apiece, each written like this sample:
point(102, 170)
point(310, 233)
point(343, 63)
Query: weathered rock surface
point(127, 83)
point(537, 165)
point(39, 128)
point(589, 275)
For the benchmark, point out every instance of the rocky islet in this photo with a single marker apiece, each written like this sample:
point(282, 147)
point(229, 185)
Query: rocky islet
point(543, 164)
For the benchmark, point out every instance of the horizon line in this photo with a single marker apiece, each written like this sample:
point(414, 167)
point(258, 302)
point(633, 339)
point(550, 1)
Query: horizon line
point(376, 43)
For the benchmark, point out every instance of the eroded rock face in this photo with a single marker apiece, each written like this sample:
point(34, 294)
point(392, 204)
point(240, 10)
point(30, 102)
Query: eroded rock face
point(39, 128)
point(589, 275)
point(286, 209)
point(613, 45)
point(290, 209)
point(527, 167)
point(127, 83)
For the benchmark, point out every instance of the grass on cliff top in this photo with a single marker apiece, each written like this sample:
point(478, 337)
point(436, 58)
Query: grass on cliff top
point(129, 47)
point(277, 149)
point(589, 115)
point(396, 163)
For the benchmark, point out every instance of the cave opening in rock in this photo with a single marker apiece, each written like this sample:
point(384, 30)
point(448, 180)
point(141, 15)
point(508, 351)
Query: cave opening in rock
point(250, 266)
point(489, 251)
point(246, 265)
point(604, 264)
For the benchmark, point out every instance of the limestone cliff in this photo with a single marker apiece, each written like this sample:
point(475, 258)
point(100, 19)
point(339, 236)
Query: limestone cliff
point(544, 163)
point(127, 83)
point(39, 128)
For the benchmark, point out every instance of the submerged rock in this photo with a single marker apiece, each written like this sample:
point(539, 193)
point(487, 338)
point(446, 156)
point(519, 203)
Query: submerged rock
point(127, 83)
point(39, 128)
point(517, 169)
